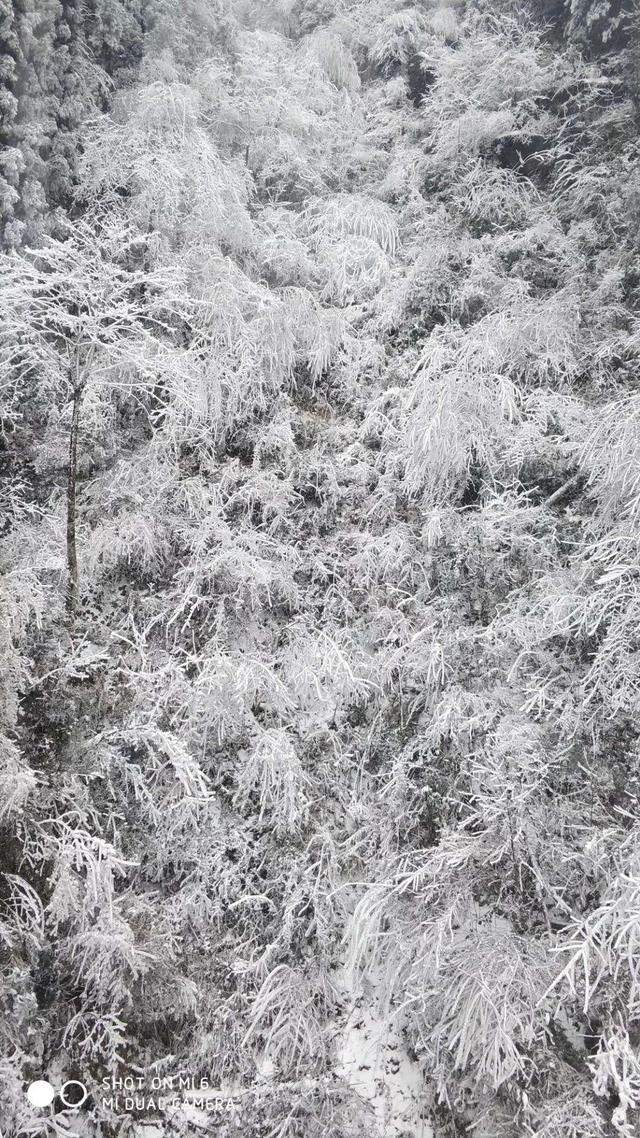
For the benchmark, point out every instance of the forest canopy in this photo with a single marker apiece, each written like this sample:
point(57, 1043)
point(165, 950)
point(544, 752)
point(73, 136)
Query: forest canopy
point(320, 568)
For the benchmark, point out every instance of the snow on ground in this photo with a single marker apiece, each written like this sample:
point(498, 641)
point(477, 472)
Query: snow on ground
point(372, 1058)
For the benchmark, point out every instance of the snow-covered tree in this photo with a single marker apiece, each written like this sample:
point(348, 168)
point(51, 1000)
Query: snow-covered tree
point(319, 405)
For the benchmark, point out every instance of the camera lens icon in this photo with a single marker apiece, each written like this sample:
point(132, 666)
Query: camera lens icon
point(73, 1094)
point(41, 1093)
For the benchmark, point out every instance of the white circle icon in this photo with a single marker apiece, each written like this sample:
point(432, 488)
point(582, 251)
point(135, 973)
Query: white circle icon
point(40, 1093)
point(73, 1093)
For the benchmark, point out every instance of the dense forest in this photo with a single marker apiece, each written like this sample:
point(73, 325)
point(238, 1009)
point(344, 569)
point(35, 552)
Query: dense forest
point(320, 556)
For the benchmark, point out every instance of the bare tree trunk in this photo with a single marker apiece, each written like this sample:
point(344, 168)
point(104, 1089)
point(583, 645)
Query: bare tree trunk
point(72, 470)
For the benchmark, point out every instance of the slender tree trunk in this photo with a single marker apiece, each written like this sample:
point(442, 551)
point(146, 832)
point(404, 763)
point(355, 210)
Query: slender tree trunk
point(72, 471)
